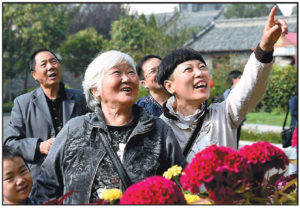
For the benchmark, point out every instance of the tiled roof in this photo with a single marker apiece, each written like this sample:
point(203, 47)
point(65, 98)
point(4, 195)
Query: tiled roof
point(190, 19)
point(234, 34)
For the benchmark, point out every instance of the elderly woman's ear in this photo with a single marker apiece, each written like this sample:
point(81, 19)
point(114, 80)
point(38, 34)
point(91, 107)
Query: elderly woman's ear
point(95, 92)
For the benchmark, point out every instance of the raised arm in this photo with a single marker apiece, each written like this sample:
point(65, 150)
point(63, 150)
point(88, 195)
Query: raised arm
point(273, 30)
point(253, 83)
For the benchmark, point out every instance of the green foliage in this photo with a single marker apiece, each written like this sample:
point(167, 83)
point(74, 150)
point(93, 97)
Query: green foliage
point(282, 86)
point(247, 10)
point(220, 75)
point(131, 35)
point(28, 90)
point(7, 106)
point(254, 136)
point(142, 92)
point(27, 27)
point(152, 21)
point(274, 118)
point(139, 37)
point(79, 49)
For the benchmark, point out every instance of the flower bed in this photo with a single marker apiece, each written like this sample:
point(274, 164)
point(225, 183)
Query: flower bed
point(225, 176)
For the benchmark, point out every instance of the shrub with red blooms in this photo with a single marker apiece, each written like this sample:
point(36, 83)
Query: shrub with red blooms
point(153, 190)
point(218, 168)
point(295, 138)
point(263, 156)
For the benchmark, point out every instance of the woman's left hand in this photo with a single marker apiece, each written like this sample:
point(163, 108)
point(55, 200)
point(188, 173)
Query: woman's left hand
point(273, 30)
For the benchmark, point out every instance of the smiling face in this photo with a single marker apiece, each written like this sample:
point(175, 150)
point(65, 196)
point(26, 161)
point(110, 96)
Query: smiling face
point(17, 181)
point(190, 83)
point(120, 85)
point(47, 69)
point(150, 68)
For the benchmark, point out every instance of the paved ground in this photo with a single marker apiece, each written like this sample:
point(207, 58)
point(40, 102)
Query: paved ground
point(262, 128)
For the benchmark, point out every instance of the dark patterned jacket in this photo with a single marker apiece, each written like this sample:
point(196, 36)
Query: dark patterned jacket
point(74, 157)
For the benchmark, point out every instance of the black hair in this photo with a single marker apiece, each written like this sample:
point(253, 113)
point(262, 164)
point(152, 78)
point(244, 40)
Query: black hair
point(32, 58)
point(233, 75)
point(139, 66)
point(174, 58)
point(9, 153)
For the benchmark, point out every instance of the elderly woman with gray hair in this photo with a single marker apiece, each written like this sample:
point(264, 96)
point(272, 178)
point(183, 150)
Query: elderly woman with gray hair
point(116, 145)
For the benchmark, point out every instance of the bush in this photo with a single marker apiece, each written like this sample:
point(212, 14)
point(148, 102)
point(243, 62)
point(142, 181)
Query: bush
point(142, 92)
point(220, 74)
point(282, 86)
point(7, 106)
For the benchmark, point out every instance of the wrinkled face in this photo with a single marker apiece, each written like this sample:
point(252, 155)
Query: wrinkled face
point(120, 85)
point(17, 181)
point(150, 68)
point(190, 82)
point(47, 69)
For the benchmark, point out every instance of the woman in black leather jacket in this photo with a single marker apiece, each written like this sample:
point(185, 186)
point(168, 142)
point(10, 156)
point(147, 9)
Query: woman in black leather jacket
point(78, 160)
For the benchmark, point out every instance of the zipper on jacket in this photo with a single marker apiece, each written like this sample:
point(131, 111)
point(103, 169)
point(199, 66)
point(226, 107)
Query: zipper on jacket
point(130, 138)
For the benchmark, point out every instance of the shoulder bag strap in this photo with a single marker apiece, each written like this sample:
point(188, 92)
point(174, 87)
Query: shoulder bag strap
point(287, 113)
point(116, 161)
point(192, 139)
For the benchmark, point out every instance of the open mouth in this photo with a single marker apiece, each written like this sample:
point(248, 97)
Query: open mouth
point(126, 89)
point(52, 75)
point(23, 189)
point(200, 85)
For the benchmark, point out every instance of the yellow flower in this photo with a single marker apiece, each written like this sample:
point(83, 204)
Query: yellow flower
point(194, 199)
point(190, 198)
point(111, 194)
point(173, 171)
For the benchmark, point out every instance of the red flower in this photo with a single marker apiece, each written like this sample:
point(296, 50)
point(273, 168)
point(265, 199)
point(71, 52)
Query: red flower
point(295, 138)
point(212, 83)
point(223, 196)
point(218, 168)
point(263, 156)
point(60, 200)
point(153, 190)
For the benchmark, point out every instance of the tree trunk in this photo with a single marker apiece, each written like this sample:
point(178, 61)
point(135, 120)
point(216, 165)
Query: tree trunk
point(25, 80)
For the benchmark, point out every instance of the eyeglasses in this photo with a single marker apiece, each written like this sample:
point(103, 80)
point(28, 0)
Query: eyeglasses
point(152, 71)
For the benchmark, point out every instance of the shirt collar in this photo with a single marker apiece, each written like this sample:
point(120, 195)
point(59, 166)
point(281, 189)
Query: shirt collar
point(184, 122)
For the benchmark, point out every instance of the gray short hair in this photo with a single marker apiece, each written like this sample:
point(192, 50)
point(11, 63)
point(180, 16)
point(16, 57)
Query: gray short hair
point(96, 69)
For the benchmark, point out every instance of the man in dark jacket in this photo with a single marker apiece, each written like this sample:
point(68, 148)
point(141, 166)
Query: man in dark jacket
point(38, 116)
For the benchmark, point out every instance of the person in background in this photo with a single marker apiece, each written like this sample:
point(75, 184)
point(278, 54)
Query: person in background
point(147, 70)
point(38, 116)
point(16, 178)
point(79, 160)
point(293, 105)
point(184, 74)
point(233, 77)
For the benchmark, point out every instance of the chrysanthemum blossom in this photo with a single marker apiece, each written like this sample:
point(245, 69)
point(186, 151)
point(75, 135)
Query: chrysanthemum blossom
point(190, 198)
point(174, 171)
point(111, 194)
point(153, 190)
